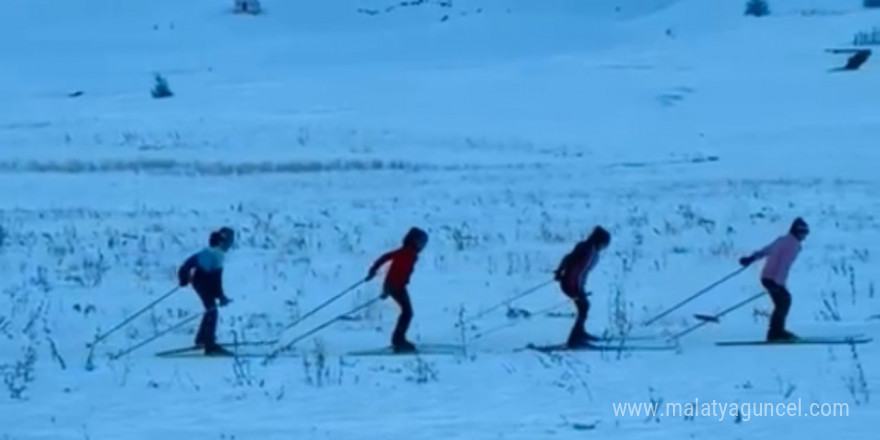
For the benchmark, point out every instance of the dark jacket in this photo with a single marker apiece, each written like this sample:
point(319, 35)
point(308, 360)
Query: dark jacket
point(204, 270)
point(576, 265)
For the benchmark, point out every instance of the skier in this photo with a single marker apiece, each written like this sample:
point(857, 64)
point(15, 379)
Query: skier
point(780, 255)
point(572, 276)
point(204, 270)
point(403, 260)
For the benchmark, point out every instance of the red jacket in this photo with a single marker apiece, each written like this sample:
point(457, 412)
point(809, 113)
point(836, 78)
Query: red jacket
point(403, 261)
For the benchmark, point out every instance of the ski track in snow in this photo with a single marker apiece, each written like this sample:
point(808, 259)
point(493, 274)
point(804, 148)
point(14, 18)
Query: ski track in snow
point(507, 147)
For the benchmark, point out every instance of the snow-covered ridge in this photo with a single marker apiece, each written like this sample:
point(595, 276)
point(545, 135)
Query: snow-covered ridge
point(174, 167)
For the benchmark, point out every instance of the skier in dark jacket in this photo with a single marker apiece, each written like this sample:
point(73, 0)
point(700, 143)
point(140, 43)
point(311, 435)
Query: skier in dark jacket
point(403, 262)
point(204, 270)
point(572, 276)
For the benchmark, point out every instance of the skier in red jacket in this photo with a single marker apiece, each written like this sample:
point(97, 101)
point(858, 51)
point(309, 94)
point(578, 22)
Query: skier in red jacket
point(403, 260)
point(572, 276)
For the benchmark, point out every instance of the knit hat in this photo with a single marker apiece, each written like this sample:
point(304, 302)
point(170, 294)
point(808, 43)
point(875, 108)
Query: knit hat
point(416, 237)
point(228, 234)
point(799, 226)
point(600, 236)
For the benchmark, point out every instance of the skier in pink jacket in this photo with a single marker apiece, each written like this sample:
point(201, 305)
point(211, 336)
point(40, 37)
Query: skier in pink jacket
point(780, 255)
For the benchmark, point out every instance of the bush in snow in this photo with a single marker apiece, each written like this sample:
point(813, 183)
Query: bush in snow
point(247, 7)
point(161, 89)
point(871, 38)
point(757, 8)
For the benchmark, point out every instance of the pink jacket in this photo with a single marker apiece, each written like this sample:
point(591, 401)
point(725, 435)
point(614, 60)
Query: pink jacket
point(780, 256)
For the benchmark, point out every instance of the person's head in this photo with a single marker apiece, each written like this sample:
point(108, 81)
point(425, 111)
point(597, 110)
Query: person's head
point(222, 239)
point(215, 239)
point(600, 237)
point(416, 239)
point(799, 229)
point(228, 235)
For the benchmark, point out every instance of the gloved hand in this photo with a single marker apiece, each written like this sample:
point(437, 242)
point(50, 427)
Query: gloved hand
point(183, 282)
point(370, 276)
point(557, 275)
point(224, 301)
point(384, 295)
point(745, 261)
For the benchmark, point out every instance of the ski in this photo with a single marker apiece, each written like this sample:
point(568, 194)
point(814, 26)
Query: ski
point(201, 355)
point(815, 340)
point(597, 347)
point(618, 339)
point(421, 349)
point(175, 351)
point(196, 348)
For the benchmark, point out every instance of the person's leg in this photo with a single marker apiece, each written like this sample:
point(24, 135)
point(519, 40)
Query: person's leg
point(781, 305)
point(578, 335)
point(401, 297)
point(586, 305)
point(205, 334)
point(210, 330)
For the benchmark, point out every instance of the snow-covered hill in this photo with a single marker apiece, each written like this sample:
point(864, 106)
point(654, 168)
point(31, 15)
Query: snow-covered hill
point(322, 131)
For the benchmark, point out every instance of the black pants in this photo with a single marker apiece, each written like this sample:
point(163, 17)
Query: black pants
point(401, 297)
point(207, 334)
point(578, 331)
point(781, 302)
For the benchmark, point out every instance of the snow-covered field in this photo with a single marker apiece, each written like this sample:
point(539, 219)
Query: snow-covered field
point(507, 130)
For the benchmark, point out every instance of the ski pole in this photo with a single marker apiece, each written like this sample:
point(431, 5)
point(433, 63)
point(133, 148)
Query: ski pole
point(694, 296)
point(324, 304)
point(149, 306)
point(160, 334)
point(503, 303)
point(705, 319)
point(271, 356)
point(511, 324)
point(307, 315)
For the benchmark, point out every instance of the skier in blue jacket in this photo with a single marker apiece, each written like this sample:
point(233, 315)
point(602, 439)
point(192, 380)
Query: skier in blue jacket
point(204, 270)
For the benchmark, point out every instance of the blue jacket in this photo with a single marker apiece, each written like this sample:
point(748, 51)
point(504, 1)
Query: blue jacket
point(204, 270)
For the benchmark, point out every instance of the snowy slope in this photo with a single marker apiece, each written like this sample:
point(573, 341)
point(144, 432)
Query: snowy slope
point(507, 131)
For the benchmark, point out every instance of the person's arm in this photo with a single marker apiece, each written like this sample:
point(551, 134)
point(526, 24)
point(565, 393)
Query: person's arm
point(379, 262)
point(759, 254)
point(566, 260)
point(184, 273)
point(559, 273)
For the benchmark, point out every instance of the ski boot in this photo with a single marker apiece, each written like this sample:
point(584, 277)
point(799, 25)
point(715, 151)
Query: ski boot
point(403, 346)
point(217, 350)
point(781, 336)
point(582, 339)
point(591, 338)
point(579, 341)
